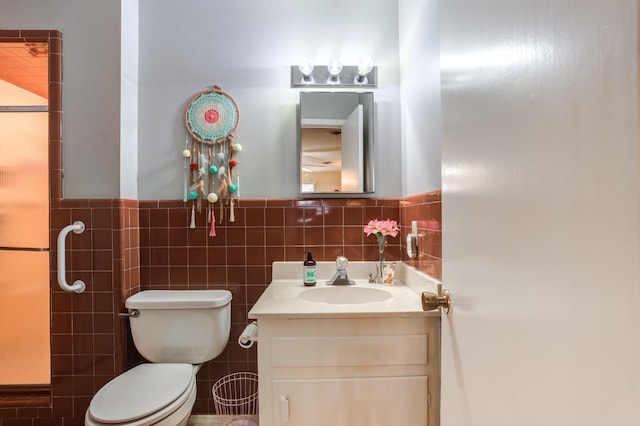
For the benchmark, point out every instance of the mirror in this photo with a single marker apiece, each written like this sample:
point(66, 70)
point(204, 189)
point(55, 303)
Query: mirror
point(335, 133)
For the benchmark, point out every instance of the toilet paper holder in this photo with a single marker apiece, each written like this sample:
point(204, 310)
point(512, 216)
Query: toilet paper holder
point(249, 335)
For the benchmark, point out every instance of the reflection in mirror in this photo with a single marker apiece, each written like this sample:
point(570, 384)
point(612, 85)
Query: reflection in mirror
point(336, 143)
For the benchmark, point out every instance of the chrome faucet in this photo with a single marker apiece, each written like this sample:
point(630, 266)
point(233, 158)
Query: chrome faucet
point(340, 277)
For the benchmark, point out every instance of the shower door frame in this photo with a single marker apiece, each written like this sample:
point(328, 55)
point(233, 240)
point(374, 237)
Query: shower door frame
point(40, 396)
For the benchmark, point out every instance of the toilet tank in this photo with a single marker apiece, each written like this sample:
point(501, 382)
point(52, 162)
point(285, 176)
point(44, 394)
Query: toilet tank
point(181, 326)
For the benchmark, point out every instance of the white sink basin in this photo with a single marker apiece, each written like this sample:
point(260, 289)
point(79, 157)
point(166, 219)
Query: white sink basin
point(286, 297)
point(343, 295)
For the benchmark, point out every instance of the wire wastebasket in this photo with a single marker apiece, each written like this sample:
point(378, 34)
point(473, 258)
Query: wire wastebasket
point(237, 395)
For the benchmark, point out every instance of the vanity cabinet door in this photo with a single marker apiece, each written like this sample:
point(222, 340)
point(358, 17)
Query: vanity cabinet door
point(370, 401)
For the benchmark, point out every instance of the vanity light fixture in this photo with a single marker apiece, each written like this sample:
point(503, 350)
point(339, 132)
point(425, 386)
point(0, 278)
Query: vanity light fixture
point(334, 74)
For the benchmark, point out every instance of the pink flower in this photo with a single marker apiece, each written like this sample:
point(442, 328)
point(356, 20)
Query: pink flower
point(382, 227)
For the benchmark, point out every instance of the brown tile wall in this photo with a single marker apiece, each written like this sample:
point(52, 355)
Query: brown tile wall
point(88, 342)
point(131, 246)
point(239, 257)
point(426, 209)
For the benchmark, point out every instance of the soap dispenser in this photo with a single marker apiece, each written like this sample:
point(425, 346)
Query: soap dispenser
point(309, 270)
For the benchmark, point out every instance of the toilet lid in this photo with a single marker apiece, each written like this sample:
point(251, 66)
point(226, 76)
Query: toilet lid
point(140, 392)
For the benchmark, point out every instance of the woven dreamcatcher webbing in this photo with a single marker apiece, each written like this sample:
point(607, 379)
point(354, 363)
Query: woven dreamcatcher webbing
point(211, 116)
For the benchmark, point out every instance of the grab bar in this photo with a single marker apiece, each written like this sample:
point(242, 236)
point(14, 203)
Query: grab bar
point(78, 286)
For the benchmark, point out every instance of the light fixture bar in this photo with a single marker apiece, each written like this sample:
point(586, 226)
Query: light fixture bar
point(320, 77)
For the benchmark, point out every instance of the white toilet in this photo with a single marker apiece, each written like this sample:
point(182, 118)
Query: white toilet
point(177, 330)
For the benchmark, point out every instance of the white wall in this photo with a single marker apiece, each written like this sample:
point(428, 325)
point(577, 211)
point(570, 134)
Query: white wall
point(247, 47)
point(420, 94)
point(129, 101)
point(91, 86)
point(185, 47)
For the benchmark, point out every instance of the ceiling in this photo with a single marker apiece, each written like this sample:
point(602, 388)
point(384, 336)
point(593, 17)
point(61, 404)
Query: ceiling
point(25, 65)
point(321, 149)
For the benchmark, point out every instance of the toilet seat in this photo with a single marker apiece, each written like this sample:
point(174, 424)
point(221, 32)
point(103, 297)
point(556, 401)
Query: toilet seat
point(144, 395)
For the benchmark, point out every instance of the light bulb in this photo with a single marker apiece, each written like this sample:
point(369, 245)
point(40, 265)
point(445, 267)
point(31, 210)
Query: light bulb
point(364, 67)
point(334, 67)
point(306, 68)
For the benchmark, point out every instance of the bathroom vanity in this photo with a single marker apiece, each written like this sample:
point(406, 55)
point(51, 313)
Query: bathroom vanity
point(365, 354)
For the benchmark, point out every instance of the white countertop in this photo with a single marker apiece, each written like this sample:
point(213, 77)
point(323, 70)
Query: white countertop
point(282, 297)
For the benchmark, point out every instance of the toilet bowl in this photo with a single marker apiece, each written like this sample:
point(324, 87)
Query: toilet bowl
point(177, 331)
point(149, 394)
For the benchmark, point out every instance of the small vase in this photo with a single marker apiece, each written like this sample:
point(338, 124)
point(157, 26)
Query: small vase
point(382, 242)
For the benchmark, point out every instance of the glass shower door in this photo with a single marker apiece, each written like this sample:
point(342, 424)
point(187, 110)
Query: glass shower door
point(24, 247)
point(24, 318)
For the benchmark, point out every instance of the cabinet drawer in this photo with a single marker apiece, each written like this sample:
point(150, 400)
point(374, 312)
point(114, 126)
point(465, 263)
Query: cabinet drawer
point(346, 402)
point(348, 351)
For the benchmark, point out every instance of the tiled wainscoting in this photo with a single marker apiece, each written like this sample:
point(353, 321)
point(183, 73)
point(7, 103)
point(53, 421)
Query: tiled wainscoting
point(136, 245)
point(426, 210)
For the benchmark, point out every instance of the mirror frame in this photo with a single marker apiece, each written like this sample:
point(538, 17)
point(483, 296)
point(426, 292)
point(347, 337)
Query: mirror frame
point(367, 100)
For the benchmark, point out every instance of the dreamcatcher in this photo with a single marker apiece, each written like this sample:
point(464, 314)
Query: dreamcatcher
point(211, 119)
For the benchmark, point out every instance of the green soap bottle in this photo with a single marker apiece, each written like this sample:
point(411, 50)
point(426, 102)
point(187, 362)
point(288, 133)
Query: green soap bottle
point(309, 270)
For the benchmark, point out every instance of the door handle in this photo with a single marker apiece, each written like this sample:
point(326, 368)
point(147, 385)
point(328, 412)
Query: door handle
point(284, 409)
point(431, 301)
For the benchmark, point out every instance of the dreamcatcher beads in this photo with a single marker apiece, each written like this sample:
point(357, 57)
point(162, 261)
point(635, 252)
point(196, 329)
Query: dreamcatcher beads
point(186, 153)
